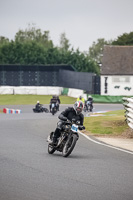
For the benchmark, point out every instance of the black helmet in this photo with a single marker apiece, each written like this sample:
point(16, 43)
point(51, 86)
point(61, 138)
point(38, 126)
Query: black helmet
point(78, 107)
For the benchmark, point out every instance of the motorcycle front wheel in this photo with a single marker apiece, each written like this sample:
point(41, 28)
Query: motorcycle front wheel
point(69, 146)
point(46, 110)
point(53, 111)
point(51, 149)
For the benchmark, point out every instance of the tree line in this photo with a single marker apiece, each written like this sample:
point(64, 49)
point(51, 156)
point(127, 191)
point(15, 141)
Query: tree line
point(32, 46)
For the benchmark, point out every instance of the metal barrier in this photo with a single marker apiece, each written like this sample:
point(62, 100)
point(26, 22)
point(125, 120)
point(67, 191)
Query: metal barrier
point(128, 106)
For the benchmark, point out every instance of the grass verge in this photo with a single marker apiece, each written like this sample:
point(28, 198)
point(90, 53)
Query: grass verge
point(110, 124)
point(32, 99)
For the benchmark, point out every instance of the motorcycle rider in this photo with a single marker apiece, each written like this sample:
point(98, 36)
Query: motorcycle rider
point(70, 113)
point(53, 100)
point(80, 98)
point(58, 102)
point(38, 106)
point(90, 101)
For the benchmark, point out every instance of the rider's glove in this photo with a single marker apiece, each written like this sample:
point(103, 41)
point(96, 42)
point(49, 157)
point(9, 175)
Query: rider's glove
point(81, 127)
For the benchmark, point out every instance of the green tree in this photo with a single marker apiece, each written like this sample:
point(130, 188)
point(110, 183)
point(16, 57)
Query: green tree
point(95, 51)
point(82, 62)
point(33, 34)
point(64, 42)
point(125, 39)
point(33, 53)
point(22, 53)
point(3, 40)
point(34, 47)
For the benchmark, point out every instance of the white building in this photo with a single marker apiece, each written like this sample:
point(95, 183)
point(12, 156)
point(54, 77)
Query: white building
point(117, 71)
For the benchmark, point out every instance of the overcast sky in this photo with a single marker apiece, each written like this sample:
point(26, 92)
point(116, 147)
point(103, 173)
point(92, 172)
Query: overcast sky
point(83, 21)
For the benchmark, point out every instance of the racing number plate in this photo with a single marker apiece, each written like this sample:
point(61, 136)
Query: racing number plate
point(74, 128)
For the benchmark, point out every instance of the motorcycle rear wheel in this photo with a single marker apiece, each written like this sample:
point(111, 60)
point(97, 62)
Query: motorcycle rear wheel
point(69, 146)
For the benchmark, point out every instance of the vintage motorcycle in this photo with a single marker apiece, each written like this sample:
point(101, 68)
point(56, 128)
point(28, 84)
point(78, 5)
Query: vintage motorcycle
point(88, 106)
point(67, 141)
point(53, 108)
point(42, 109)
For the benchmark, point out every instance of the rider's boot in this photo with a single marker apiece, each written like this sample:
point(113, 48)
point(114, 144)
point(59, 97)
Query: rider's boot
point(56, 135)
point(54, 141)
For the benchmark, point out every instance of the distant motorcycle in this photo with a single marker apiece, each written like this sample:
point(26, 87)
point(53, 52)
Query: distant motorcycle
point(88, 106)
point(67, 141)
point(42, 109)
point(53, 108)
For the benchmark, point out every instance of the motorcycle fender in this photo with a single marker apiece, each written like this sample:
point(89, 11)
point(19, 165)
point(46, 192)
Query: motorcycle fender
point(76, 135)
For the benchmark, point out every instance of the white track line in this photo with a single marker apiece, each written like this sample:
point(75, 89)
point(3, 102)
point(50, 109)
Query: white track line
point(107, 145)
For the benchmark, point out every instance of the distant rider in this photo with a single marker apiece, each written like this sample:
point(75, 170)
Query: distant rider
point(90, 102)
point(58, 102)
point(53, 100)
point(70, 113)
point(38, 106)
point(80, 98)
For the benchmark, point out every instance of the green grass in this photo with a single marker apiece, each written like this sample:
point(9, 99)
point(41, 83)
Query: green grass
point(32, 99)
point(113, 123)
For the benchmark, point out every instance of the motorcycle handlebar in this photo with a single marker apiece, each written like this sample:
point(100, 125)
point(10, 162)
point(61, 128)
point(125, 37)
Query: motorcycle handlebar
point(80, 126)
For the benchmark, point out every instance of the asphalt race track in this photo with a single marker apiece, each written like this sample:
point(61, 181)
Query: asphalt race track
point(28, 172)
